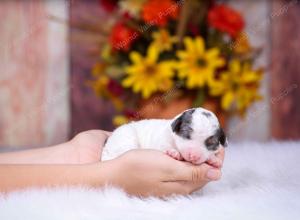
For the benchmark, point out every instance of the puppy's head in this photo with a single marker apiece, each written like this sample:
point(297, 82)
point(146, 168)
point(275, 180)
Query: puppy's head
point(197, 134)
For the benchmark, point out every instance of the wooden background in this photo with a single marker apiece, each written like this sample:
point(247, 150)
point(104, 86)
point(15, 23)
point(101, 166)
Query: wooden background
point(286, 70)
point(34, 85)
point(87, 110)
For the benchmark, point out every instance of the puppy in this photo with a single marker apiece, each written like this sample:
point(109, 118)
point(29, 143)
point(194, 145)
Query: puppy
point(194, 136)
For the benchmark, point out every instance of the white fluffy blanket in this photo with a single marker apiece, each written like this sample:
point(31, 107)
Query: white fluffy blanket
point(260, 181)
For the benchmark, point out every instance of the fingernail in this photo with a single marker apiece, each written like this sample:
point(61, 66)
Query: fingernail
point(213, 174)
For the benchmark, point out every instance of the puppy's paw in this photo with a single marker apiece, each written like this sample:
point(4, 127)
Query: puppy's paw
point(174, 154)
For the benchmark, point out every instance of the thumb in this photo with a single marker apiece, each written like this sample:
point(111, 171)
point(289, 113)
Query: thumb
point(198, 173)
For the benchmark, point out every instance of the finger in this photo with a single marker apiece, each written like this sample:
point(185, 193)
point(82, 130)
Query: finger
point(192, 173)
point(215, 162)
point(221, 154)
point(183, 187)
point(192, 187)
point(177, 188)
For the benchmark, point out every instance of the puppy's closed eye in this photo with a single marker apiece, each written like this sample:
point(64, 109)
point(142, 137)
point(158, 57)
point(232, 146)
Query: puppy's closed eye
point(212, 143)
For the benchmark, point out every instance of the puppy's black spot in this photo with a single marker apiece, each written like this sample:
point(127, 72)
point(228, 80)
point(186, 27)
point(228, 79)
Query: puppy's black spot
point(207, 114)
point(182, 125)
point(222, 137)
point(213, 142)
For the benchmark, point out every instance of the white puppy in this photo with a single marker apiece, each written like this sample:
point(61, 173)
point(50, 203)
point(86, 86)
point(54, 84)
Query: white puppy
point(194, 135)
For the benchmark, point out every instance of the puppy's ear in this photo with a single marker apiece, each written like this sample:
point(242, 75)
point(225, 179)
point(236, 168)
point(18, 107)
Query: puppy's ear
point(182, 125)
point(223, 138)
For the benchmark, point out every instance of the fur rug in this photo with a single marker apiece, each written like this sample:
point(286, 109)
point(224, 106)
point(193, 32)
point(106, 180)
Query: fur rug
point(260, 181)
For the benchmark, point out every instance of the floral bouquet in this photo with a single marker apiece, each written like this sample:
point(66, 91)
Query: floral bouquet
point(192, 49)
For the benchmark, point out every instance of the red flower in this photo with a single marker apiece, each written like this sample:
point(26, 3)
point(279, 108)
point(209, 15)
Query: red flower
point(226, 20)
point(131, 114)
point(126, 16)
point(108, 5)
point(114, 87)
point(159, 11)
point(194, 29)
point(122, 37)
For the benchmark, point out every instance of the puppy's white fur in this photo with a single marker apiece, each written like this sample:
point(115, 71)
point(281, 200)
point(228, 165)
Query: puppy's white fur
point(159, 135)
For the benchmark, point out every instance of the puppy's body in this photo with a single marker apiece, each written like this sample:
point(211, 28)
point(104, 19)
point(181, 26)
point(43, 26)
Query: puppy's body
point(194, 135)
point(147, 134)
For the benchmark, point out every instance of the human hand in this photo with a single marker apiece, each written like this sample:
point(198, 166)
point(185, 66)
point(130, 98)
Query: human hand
point(151, 172)
point(216, 160)
point(86, 147)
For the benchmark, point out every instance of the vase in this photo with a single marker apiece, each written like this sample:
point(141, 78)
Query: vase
point(155, 107)
point(213, 105)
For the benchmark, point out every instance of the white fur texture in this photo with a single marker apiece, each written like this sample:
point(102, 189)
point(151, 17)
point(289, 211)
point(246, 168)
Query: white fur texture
point(260, 181)
point(152, 133)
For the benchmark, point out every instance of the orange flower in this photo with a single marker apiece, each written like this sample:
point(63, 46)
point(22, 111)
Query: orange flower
point(226, 20)
point(122, 37)
point(242, 45)
point(158, 12)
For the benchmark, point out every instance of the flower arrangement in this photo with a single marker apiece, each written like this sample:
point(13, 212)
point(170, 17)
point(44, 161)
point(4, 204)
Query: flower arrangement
point(196, 49)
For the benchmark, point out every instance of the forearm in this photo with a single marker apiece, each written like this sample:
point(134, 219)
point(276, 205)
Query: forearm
point(58, 154)
point(86, 147)
point(16, 177)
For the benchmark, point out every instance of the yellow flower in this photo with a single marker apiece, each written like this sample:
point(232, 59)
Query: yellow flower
point(239, 85)
point(119, 120)
point(98, 69)
point(133, 7)
point(163, 40)
point(196, 64)
point(106, 52)
point(147, 75)
point(101, 81)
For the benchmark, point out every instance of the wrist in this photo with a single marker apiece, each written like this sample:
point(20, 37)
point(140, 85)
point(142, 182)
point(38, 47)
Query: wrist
point(103, 173)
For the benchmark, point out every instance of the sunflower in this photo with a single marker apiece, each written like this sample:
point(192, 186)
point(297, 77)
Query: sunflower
point(196, 64)
point(163, 40)
point(146, 75)
point(239, 85)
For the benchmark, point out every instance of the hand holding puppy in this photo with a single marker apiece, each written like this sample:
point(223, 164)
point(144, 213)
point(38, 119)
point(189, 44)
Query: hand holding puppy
point(150, 172)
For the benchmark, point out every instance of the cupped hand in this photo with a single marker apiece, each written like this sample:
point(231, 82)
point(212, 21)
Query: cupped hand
point(86, 147)
point(150, 172)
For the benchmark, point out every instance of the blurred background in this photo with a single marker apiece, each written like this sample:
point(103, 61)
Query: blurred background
point(73, 65)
